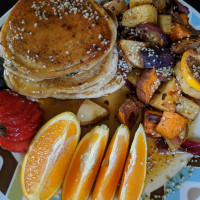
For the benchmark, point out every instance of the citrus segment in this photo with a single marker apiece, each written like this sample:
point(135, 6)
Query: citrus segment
point(85, 164)
point(112, 165)
point(186, 71)
point(48, 157)
point(134, 174)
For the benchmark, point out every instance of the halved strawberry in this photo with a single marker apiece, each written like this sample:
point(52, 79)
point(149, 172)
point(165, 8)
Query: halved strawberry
point(14, 146)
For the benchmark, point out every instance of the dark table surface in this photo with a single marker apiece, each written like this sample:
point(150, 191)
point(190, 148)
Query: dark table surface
point(5, 6)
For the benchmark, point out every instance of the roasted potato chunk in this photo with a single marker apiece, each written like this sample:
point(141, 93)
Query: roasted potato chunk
point(167, 97)
point(134, 3)
point(165, 23)
point(90, 113)
point(171, 124)
point(187, 108)
point(116, 6)
point(131, 52)
point(128, 113)
point(175, 143)
point(147, 84)
point(134, 75)
point(187, 89)
point(140, 14)
point(159, 4)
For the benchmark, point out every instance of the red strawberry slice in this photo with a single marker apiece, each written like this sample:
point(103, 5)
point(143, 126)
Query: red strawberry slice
point(14, 146)
point(21, 117)
point(22, 134)
point(13, 103)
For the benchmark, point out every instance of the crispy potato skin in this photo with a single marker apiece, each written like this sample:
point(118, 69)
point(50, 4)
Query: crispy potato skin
point(187, 108)
point(167, 97)
point(140, 14)
point(128, 113)
point(116, 6)
point(171, 124)
point(165, 23)
point(134, 3)
point(131, 52)
point(151, 119)
point(147, 84)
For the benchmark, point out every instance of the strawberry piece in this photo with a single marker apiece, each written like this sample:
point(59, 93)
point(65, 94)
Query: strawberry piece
point(14, 146)
point(22, 119)
point(22, 134)
point(12, 103)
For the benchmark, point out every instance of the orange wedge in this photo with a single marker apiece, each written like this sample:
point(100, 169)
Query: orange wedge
point(47, 160)
point(134, 174)
point(185, 69)
point(112, 165)
point(85, 164)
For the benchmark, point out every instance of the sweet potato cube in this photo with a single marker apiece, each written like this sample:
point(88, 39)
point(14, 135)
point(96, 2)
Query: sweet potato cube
point(128, 113)
point(171, 124)
point(147, 84)
point(151, 120)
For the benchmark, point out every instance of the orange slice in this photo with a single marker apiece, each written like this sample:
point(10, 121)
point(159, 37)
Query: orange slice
point(112, 165)
point(134, 174)
point(85, 164)
point(47, 160)
point(185, 69)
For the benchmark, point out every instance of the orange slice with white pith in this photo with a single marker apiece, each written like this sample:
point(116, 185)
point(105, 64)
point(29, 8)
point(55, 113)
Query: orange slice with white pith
point(85, 164)
point(112, 165)
point(134, 174)
point(49, 155)
point(190, 68)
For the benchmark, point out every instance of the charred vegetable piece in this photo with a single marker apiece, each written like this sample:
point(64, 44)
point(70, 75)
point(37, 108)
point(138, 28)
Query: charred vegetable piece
point(192, 147)
point(147, 84)
point(155, 57)
point(175, 143)
point(182, 8)
point(179, 32)
point(159, 4)
point(128, 113)
point(134, 3)
point(165, 23)
point(167, 97)
point(116, 6)
point(131, 51)
point(151, 119)
point(186, 88)
point(187, 108)
point(151, 34)
point(187, 43)
point(184, 18)
point(171, 124)
point(139, 15)
point(134, 75)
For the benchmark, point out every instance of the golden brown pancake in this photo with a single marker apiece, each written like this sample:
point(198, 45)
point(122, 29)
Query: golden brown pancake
point(115, 84)
point(47, 39)
point(87, 81)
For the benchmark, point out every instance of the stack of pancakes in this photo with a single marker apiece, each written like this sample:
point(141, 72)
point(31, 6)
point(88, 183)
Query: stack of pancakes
point(60, 48)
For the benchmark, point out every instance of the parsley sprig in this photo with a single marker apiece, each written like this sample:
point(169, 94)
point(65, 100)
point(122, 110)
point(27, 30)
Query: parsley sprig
point(2, 130)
